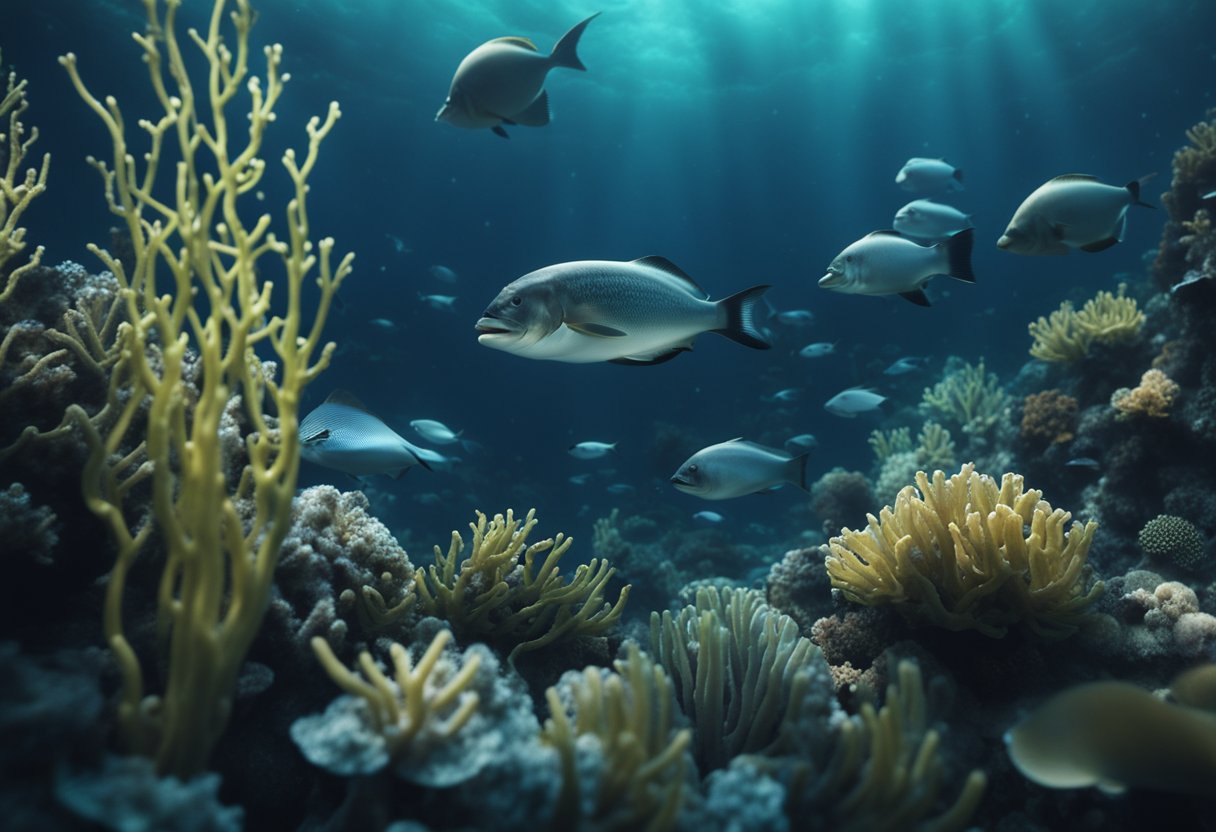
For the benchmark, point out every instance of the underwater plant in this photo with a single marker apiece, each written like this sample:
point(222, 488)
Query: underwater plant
point(17, 189)
point(1068, 335)
point(499, 593)
point(969, 396)
point(966, 554)
point(221, 545)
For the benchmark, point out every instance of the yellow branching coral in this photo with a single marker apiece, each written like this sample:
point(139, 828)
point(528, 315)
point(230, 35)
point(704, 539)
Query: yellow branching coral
point(970, 396)
point(1153, 397)
point(17, 189)
point(192, 237)
point(1068, 335)
point(887, 442)
point(629, 717)
point(417, 708)
point(500, 593)
point(965, 554)
point(885, 771)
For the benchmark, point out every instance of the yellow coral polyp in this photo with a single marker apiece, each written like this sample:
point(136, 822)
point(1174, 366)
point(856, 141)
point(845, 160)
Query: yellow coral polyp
point(1068, 335)
point(965, 554)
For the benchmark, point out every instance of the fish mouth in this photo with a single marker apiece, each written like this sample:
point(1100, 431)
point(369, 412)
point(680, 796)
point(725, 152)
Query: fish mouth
point(491, 326)
point(832, 278)
point(681, 483)
point(1005, 242)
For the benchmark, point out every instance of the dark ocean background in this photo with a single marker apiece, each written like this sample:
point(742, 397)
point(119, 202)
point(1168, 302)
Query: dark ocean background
point(746, 141)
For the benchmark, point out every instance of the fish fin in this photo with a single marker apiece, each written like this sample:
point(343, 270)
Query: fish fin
point(1101, 245)
point(1134, 187)
point(797, 472)
point(741, 317)
point(506, 120)
point(498, 131)
point(958, 250)
point(535, 114)
point(1073, 177)
point(958, 176)
point(664, 265)
point(918, 297)
point(345, 397)
point(400, 472)
point(885, 232)
point(661, 358)
point(598, 330)
point(420, 461)
point(517, 41)
point(319, 436)
point(565, 51)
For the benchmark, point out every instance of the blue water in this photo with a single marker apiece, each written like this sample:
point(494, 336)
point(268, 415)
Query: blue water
point(747, 142)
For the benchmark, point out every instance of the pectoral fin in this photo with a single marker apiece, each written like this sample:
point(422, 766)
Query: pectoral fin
point(498, 131)
point(1101, 245)
point(597, 330)
point(639, 361)
point(918, 297)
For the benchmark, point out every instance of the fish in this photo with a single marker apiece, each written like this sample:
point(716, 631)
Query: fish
point(637, 312)
point(848, 403)
point(619, 488)
point(341, 434)
point(738, 467)
point(1071, 211)
point(435, 432)
point(383, 323)
point(438, 301)
point(907, 364)
point(888, 263)
point(796, 317)
point(591, 450)
point(708, 516)
point(926, 176)
point(929, 220)
point(817, 350)
point(789, 394)
point(1083, 462)
point(1209, 195)
point(436, 460)
point(502, 82)
point(801, 442)
point(443, 274)
point(399, 244)
point(580, 479)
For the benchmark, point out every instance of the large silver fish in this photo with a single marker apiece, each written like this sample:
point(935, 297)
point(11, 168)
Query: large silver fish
point(643, 311)
point(1074, 210)
point(738, 467)
point(502, 82)
point(341, 434)
point(888, 263)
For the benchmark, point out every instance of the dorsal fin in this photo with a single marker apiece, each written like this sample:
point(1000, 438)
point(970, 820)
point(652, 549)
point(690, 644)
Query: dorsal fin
point(517, 41)
point(885, 232)
point(664, 265)
point(1074, 177)
point(345, 397)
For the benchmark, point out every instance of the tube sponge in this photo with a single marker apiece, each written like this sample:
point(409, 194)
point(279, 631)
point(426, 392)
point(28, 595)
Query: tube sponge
point(1114, 735)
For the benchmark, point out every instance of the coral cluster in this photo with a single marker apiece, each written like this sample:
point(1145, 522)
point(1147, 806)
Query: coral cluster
point(1049, 417)
point(965, 553)
point(1068, 335)
point(1153, 397)
point(1175, 538)
point(969, 397)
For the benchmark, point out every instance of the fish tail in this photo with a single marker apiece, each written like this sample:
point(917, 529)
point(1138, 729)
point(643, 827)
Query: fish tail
point(958, 250)
point(797, 471)
point(740, 311)
point(565, 53)
point(1134, 187)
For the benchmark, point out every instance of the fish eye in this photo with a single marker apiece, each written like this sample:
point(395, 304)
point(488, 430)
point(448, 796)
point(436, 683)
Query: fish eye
point(517, 300)
point(848, 258)
point(692, 468)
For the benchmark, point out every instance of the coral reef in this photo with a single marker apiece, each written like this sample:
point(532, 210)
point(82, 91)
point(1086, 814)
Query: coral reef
point(1153, 397)
point(1049, 417)
point(1175, 538)
point(623, 755)
point(27, 528)
point(967, 396)
point(747, 680)
point(839, 495)
point(958, 555)
point(500, 594)
point(1165, 621)
point(1068, 335)
point(17, 189)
